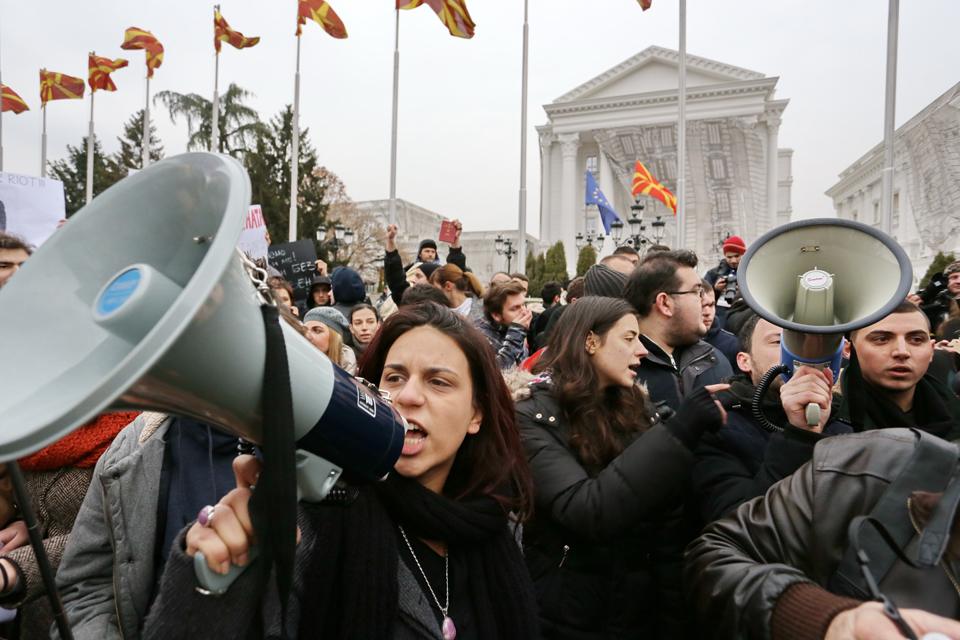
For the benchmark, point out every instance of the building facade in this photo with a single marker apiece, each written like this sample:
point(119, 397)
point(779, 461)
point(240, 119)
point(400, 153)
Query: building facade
point(926, 183)
point(737, 179)
point(417, 224)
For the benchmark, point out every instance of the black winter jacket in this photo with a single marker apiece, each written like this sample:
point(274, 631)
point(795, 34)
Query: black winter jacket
point(724, 341)
point(722, 270)
point(395, 275)
point(670, 379)
point(743, 460)
point(605, 550)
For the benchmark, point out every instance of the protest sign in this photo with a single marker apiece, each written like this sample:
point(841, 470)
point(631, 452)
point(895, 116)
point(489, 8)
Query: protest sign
point(31, 207)
point(253, 238)
point(296, 262)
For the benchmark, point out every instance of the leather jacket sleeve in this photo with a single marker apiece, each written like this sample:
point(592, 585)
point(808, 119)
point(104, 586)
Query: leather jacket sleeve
point(741, 565)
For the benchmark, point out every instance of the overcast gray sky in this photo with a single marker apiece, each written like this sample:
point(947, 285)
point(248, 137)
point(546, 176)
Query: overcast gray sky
point(459, 141)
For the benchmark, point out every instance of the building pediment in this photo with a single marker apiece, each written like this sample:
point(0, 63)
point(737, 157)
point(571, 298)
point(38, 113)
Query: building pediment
point(655, 69)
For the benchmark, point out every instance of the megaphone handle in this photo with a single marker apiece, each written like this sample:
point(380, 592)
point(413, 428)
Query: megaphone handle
point(813, 414)
point(217, 583)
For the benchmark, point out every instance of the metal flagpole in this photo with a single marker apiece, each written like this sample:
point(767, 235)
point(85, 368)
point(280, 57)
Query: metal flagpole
point(682, 132)
point(886, 176)
point(393, 131)
point(43, 144)
point(145, 143)
point(90, 145)
point(1, 133)
point(295, 150)
point(522, 234)
point(215, 116)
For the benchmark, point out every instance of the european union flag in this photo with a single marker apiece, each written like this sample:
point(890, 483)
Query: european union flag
point(595, 196)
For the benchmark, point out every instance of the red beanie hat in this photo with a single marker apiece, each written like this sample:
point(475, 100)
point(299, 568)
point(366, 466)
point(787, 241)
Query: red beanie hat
point(734, 243)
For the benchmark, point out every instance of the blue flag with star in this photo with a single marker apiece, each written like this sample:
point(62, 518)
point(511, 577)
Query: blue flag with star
point(595, 196)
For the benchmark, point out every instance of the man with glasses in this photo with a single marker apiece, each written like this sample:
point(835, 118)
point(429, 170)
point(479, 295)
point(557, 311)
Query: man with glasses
point(669, 296)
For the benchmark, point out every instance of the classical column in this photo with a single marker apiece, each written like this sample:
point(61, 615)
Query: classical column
point(546, 172)
point(569, 145)
point(773, 156)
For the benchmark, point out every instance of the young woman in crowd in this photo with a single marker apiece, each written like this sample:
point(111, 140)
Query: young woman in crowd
point(326, 329)
point(462, 289)
point(283, 294)
point(425, 554)
point(364, 322)
point(605, 546)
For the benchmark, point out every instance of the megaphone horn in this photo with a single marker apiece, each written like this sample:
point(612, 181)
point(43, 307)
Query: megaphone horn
point(819, 279)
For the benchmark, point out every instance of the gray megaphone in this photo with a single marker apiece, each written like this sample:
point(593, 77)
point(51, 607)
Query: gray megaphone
point(142, 302)
point(819, 279)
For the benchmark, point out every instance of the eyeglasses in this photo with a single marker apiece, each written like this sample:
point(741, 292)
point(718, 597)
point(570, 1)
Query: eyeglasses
point(699, 291)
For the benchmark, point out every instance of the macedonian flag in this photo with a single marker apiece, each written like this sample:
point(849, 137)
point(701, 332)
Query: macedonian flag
point(324, 14)
point(645, 183)
point(11, 101)
point(100, 70)
point(645, 4)
point(59, 86)
point(223, 32)
point(139, 39)
point(453, 14)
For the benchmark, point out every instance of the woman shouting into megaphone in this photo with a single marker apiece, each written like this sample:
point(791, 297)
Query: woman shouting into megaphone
point(428, 553)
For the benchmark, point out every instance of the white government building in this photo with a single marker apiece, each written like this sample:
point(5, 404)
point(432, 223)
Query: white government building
point(737, 179)
point(926, 183)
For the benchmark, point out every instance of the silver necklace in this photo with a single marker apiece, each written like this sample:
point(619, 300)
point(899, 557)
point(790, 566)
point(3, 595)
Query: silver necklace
point(449, 631)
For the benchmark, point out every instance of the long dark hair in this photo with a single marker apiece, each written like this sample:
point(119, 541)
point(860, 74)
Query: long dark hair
point(490, 462)
point(600, 422)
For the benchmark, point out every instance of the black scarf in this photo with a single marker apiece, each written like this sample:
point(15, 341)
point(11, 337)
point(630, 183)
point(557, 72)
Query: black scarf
point(350, 589)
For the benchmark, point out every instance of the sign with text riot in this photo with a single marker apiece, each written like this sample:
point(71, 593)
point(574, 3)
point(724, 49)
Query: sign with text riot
point(30, 207)
point(296, 261)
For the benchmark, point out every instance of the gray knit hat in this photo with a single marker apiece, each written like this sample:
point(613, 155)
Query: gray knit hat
point(601, 280)
point(953, 267)
point(330, 317)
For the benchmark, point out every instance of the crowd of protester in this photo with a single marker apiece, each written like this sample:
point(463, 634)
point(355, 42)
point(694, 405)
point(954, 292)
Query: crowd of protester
point(591, 467)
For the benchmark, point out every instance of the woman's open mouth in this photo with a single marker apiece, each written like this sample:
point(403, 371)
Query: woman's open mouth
point(413, 440)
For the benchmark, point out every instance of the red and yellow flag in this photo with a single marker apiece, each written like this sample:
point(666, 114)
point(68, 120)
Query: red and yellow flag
point(139, 39)
point(453, 14)
point(646, 184)
point(223, 32)
point(100, 70)
point(59, 86)
point(323, 13)
point(11, 101)
point(645, 4)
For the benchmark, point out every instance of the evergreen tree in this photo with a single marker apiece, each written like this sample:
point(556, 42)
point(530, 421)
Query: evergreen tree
point(555, 265)
point(939, 263)
point(587, 258)
point(269, 169)
point(239, 124)
point(72, 172)
point(534, 273)
point(130, 155)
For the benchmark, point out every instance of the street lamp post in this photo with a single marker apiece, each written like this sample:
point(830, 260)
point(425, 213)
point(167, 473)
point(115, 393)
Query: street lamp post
point(637, 238)
point(594, 240)
point(505, 248)
point(342, 237)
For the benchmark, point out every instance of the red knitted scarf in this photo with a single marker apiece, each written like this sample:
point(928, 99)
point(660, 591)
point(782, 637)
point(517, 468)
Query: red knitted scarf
point(83, 447)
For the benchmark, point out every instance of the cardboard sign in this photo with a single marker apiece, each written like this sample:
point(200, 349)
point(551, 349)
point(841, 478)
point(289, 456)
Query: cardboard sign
point(296, 261)
point(253, 238)
point(448, 232)
point(31, 207)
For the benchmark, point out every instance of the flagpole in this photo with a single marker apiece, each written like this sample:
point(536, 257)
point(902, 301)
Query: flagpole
point(295, 150)
point(682, 132)
point(215, 117)
point(145, 143)
point(90, 145)
point(393, 131)
point(886, 176)
point(1, 133)
point(522, 235)
point(43, 145)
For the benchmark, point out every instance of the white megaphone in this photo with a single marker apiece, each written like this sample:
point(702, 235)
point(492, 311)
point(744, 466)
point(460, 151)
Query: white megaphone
point(819, 279)
point(147, 305)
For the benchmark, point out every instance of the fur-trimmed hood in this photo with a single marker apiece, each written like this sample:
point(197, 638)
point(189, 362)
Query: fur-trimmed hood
point(518, 382)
